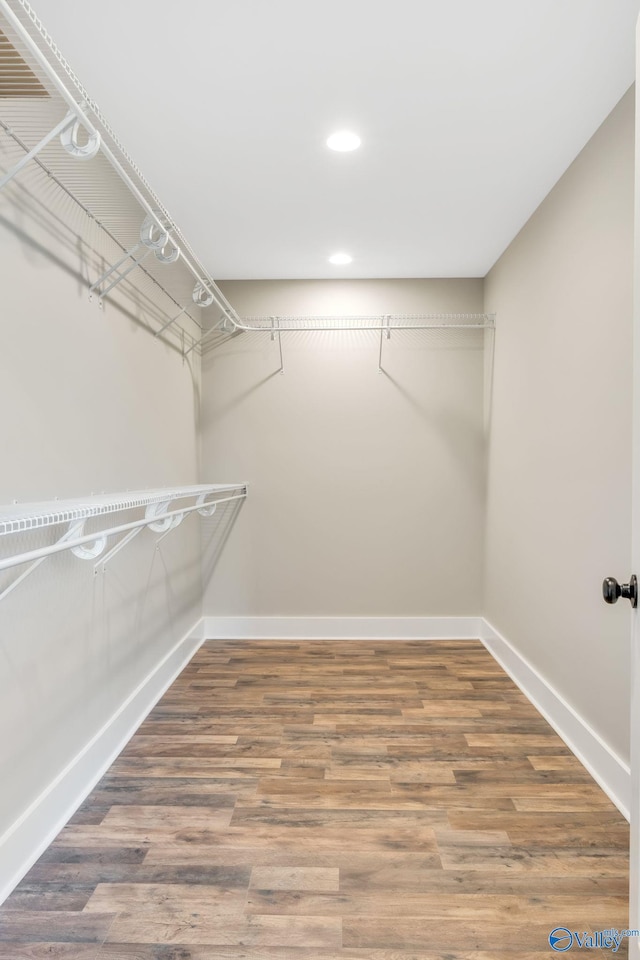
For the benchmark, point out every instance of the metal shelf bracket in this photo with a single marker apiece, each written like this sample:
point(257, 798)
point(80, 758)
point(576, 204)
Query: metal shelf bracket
point(275, 331)
point(129, 255)
point(385, 332)
point(85, 551)
point(59, 129)
point(128, 537)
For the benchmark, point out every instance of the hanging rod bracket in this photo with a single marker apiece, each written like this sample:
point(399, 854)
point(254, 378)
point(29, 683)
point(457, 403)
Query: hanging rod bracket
point(153, 239)
point(68, 130)
point(164, 523)
point(204, 508)
point(385, 331)
point(275, 332)
point(85, 551)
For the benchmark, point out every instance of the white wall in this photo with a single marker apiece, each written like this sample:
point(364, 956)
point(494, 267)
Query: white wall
point(559, 463)
point(366, 489)
point(90, 402)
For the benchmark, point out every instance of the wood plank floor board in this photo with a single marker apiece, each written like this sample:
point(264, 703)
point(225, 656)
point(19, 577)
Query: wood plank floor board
point(416, 933)
point(86, 876)
point(48, 951)
point(325, 800)
point(449, 907)
point(93, 854)
point(180, 791)
point(54, 925)
point(69, 897)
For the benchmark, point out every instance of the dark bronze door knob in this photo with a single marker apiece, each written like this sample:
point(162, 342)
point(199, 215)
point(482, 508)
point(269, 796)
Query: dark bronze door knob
point(611, 590)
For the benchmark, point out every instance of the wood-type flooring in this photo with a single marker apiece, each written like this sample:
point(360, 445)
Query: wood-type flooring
point(331, 800)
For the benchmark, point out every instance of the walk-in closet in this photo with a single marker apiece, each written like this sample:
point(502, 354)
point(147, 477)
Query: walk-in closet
point(319, 494)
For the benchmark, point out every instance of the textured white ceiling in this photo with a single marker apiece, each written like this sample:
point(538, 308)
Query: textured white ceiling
point(469, 112)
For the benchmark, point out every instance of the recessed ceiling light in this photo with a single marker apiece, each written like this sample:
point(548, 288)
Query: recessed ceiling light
point(343, 141)
point(339, 259)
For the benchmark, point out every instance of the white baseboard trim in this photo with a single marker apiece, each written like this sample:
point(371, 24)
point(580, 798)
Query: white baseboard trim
point(35, 829)
point(605, 766)
point(342, 628)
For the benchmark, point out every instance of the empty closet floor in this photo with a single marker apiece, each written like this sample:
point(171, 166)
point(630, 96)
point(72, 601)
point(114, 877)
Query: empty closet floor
point(327, 799)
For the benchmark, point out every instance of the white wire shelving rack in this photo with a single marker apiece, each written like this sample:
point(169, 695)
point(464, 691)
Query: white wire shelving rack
point(164, 509)
point(382, 324)
point(56, 144)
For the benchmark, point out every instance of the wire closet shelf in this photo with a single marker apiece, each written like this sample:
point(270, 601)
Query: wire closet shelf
point(164, 509)
point(58, 147)
point(376, 322)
